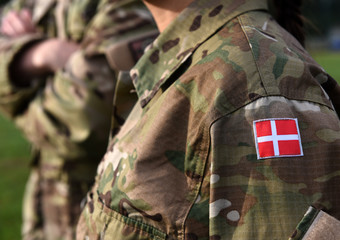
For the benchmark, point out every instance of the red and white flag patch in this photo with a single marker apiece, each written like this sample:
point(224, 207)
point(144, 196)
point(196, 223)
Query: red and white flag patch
point(277, 137)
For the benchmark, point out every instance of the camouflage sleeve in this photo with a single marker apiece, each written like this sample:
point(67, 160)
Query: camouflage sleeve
point(15, 5)
point(13, 98)
point(270, 161)
point(73, 109)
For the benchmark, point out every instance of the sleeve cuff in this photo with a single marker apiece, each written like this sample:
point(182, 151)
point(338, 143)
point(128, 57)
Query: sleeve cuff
point(12, 97)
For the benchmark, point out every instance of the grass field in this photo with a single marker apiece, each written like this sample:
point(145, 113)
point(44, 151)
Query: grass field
point(14, 161)
point(330, 61)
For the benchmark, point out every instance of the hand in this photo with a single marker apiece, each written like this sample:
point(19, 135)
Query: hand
point(15, 23)
point(52, 54)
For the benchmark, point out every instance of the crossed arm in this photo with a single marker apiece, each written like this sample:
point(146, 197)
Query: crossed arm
point(39, 58)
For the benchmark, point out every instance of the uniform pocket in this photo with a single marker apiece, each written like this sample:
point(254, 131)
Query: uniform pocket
point(110, 224)
point(317, 225)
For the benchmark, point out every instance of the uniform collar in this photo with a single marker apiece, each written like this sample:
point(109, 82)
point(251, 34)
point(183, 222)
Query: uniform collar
point(181, 38)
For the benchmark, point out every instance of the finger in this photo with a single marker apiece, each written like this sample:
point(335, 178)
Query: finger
point(26, 14)
point(15, 21)
point(4, 25)
point(7, 29)
point(26, 18)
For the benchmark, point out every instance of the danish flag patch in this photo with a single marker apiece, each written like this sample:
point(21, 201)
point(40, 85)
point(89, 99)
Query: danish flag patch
point(277, 137)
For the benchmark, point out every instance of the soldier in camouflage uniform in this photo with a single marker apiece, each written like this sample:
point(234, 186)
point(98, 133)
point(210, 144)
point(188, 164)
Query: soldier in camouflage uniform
point(66, 113)
point(233, 136)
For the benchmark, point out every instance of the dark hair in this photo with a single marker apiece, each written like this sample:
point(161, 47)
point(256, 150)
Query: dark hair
point(288, 14)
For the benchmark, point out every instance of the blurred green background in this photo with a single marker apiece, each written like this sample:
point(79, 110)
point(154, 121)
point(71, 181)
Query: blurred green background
point(323, 40)
point(14, 166)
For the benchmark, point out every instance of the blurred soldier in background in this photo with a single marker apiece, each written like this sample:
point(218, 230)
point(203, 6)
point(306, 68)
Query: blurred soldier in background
point(59, 63)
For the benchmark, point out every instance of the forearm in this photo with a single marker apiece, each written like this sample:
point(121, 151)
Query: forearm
point(40, 59)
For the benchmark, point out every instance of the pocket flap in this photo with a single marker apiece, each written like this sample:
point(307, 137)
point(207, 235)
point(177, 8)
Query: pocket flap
point(317, 225)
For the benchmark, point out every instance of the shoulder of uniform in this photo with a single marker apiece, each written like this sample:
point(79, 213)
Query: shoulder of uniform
point(225, 69)
point(285, 67)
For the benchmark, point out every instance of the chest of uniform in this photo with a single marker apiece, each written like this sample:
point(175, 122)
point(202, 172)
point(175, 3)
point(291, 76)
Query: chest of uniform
point(152, 163)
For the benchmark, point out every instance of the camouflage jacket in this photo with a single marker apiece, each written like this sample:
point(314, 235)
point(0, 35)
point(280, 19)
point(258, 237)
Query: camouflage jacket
point(232, 137)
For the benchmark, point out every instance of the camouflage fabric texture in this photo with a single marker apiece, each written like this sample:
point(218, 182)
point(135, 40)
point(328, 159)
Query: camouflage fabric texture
point(185, 166)
point(67, 116)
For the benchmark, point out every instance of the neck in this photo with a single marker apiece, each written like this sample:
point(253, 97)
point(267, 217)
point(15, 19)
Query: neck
point(165, 11)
